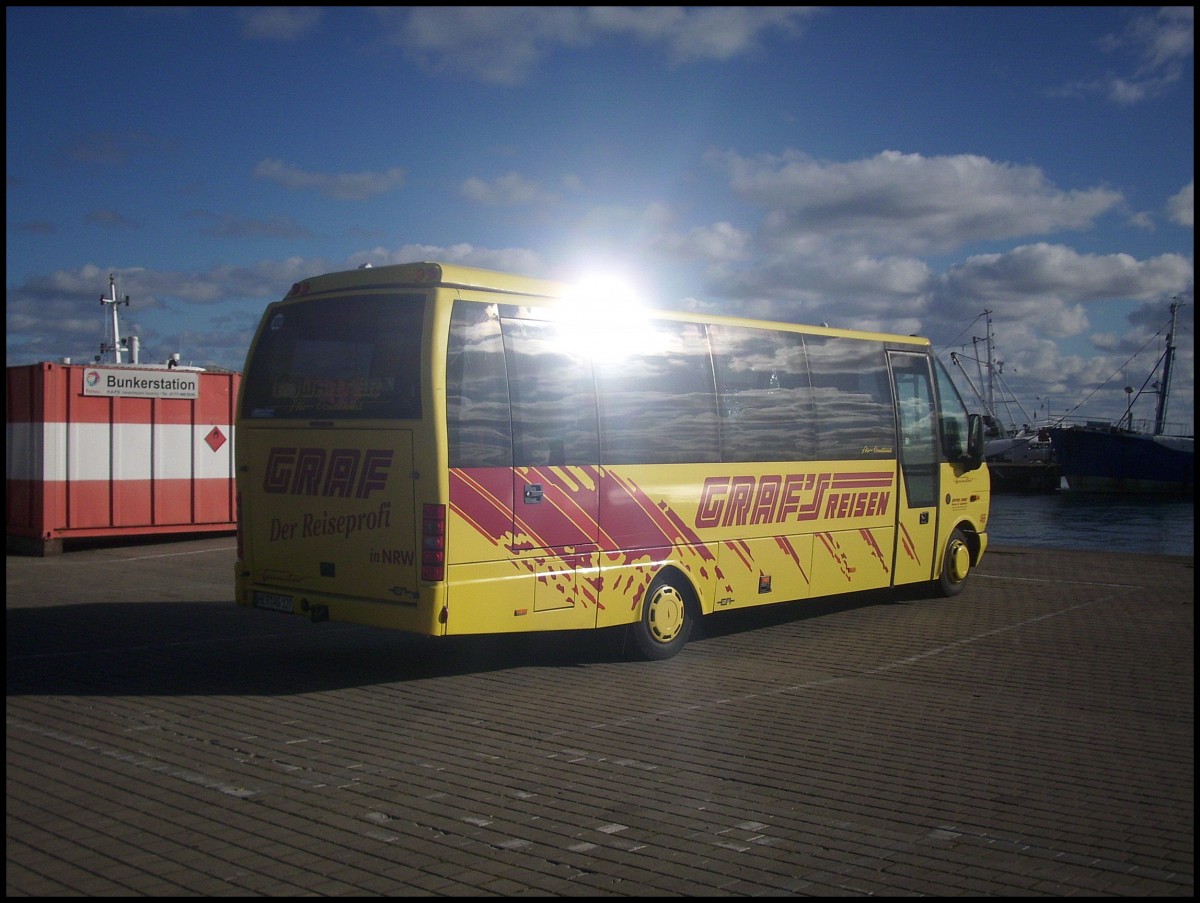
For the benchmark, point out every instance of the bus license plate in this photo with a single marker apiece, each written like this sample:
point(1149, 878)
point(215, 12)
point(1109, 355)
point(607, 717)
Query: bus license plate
point(272, 601)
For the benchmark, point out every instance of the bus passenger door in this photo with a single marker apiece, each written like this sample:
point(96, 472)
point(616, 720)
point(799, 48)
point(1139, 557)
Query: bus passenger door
point(555, 465)
point(916, 534)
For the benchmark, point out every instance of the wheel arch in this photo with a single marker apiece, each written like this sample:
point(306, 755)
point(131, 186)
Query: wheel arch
point(667, 616)
point(960, 537)
point(682, 581)
point(973, 539)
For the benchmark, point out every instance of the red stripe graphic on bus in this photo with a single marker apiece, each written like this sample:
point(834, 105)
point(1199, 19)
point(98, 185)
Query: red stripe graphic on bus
point(742, 551)
point(834, 548)
point(784, 543)
point(485, 498)
point(876, 552)
point(482, 496)
point(562, 516)
point(910, 548)
point(650, 522)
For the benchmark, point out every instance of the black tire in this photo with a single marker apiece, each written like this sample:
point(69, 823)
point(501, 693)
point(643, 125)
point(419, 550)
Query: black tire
point(668, 615)
point(956, 564)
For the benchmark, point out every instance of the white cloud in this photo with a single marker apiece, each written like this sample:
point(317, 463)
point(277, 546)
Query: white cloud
point(503, 45)
point(105, 216)
point(342, 186)
point(116, 148)
point(717, 243)
point(1153, 46)
point(228, 225)
point(1181, 207)
point(909, 202)
point(1164, 38)
point(278, 23)
point(1040, 297)
point(508, 260)
point(1041, 273)
point(706, 33)
point(510, 190)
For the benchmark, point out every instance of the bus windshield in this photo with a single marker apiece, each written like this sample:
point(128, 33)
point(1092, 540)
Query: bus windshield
point(358, 358)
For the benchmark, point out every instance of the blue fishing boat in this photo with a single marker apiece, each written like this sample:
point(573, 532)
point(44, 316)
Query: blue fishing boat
point(1118, 457)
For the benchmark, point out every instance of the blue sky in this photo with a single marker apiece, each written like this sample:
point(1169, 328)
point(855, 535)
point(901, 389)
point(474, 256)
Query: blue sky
point(901, 169)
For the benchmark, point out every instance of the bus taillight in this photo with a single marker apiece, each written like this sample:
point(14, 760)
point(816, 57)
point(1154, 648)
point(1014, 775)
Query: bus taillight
point(433, 542)
point(237, 513)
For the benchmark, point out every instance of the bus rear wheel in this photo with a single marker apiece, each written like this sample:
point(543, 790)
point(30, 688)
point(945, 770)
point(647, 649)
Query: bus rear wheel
point(668, 615)
point(956, 564)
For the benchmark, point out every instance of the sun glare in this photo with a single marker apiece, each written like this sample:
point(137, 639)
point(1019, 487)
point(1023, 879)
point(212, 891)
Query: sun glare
point(605, 317)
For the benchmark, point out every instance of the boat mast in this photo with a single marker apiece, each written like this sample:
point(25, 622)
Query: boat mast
point(1160, 414)
point(991, 363)
point(116, 329)
point(988, 382)
point(967, 376)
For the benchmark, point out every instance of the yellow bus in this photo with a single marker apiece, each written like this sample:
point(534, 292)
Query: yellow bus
point(448, 450)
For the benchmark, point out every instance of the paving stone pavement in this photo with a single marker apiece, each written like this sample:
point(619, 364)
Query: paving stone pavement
point(1033, 736)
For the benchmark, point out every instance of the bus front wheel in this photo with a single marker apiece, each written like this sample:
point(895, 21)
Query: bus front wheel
point(956, 564)
point(667, 619)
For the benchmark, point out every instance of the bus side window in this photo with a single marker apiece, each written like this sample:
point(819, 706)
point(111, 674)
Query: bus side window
point(658, 405)
point(766, 401)
point(855, 417)
point(477, 415)
point(952, 439)
point(955, 423)
point(553, 397)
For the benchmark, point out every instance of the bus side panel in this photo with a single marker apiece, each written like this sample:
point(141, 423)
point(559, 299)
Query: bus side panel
point(765, 570)
point(647, 518)
point(548, 593)
point(848, 561)
point(626, 576)
point(502, 579)
point(752, 534)
point(917, 550)
point(968, 496)
point(480, 527)
point(563, 592)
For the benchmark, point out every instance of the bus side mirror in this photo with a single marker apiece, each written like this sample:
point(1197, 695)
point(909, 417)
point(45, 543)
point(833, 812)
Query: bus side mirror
point(958, 449)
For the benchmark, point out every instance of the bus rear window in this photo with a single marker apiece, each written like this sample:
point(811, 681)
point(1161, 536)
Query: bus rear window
point(354, 358)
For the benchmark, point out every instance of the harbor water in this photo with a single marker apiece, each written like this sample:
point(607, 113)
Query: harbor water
point(1093, 522)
